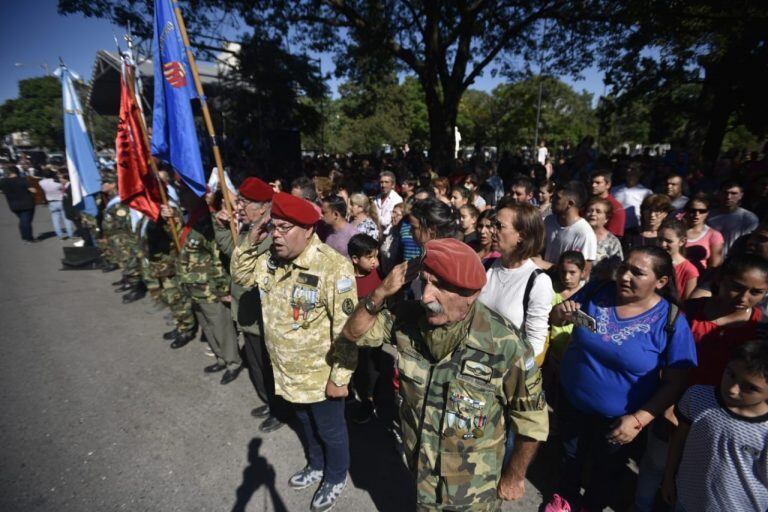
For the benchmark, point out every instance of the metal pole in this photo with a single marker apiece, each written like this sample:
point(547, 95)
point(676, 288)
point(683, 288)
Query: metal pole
point(207, 119)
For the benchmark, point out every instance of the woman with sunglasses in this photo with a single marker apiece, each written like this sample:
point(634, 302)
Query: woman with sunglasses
point(705, 244)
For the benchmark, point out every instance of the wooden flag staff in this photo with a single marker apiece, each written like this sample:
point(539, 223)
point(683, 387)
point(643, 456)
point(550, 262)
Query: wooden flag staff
point(152, 162)
point(207, 118)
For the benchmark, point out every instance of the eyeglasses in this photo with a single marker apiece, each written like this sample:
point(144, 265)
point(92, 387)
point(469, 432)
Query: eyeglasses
point(282, 228)
point(697, 210)
point(498, 225)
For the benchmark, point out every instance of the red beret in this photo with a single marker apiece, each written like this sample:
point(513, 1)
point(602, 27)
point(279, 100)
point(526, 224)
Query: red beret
point(455, 263)
point(255, 189)
point(294, 209)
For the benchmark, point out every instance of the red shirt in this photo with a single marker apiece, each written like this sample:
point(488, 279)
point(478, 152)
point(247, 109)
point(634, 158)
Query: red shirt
point(684, 272)
point(366, 284)
point(715, 342)
point(616, 223)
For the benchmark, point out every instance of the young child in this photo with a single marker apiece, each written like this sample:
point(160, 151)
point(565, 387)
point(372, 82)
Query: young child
point(570, 273)
point(672, 238)
point(729, 317)
point(718, 457)
point(364, 252)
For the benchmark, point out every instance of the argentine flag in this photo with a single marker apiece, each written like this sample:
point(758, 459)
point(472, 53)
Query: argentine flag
point(84, 176)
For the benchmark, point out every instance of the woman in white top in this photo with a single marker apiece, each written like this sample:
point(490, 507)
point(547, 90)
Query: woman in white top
point(519, 233)
point(54, 194)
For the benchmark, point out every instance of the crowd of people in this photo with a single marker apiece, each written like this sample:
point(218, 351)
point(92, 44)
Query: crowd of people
point(621, 301)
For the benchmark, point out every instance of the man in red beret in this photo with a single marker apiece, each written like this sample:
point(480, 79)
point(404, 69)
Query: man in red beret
point(465, 373)
point(252, 205)
point(307, 292)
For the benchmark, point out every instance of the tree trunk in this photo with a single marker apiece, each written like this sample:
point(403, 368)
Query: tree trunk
point(442, 123)
point(718, 115)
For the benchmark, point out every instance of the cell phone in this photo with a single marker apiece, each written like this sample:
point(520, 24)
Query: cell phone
point(581, 319)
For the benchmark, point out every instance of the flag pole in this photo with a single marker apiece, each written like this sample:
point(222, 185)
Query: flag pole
point(206, 118)
point(152, 161)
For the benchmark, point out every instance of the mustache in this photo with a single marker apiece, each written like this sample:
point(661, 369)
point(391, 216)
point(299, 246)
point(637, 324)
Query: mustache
point(433, 307)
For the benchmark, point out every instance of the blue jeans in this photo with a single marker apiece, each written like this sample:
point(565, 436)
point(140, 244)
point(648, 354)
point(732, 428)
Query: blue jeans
point(652, 468)
point(58, 218)
point(25, 223)
point(583, 439)
point(325, 434)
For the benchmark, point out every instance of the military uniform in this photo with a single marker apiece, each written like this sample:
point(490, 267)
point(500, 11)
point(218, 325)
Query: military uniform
point(246, 312)
point(454, 412)
point(305, 304)
point(202, 276)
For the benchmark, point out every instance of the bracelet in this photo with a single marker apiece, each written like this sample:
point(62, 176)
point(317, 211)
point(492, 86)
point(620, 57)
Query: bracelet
point(639, 423)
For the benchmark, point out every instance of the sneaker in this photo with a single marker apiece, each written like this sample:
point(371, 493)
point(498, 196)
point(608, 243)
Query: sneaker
point(305, 478)
point(325, 497)
point(364, 412)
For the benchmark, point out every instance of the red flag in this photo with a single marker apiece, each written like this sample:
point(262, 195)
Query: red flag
point(137, 185)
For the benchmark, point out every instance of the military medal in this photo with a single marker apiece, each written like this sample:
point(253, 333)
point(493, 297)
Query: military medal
point(479, 422)
point(295, 324)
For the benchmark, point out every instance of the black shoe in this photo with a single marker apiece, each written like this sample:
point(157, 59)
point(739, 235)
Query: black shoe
point(261, 411)
point(182, 339)
point(364, 412)
point(118, 283)
point(133, 296)
point(109, 267)
point(124, 287)
point(230, 375)
point(215, 368)
point(270, 424)
point(171, 335)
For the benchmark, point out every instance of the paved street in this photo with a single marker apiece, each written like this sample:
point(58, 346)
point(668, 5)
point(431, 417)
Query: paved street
point(100, 415)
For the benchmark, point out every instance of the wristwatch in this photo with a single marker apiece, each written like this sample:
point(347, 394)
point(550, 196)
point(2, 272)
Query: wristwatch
point(371, 307)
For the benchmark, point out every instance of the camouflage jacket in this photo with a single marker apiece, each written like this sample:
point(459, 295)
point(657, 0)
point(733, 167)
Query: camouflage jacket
point(117, 220)
point(454, 412)
point(246, 303)
point(199, 265)
point(305, 303)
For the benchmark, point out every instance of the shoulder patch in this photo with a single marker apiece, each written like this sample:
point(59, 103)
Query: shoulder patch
point(344, 285)
point(121, 212)
point(477, 370)
point(347, 306)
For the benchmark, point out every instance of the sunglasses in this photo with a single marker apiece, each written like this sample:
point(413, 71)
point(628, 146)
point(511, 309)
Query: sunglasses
point(697, 210)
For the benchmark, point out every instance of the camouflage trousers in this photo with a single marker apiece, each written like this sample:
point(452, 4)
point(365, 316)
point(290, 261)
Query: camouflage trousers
point(179, 302)
point(132, 262)
point(479, 507)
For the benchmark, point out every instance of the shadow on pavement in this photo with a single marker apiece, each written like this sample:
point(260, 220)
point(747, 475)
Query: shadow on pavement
point(258, 472)
point(46, 235)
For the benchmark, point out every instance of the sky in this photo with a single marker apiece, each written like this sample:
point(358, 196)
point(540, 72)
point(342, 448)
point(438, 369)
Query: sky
point(33, 35)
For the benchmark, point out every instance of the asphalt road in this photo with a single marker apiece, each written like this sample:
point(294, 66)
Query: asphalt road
point(98, 414)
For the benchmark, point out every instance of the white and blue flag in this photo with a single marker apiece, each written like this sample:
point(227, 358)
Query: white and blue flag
point(84, 176)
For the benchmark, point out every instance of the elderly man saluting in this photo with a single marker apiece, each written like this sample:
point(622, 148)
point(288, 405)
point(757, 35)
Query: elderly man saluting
point(465, 372)
point(307, 291)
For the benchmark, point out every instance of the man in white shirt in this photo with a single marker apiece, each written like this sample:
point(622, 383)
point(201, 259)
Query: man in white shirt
point(566, 230)
point(731, 220)
point(386, 200)
point(631, 196)
point(542, 153)
point(674, 189)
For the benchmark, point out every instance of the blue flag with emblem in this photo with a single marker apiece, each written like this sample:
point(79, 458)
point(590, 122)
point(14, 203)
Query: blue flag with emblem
point(84, 176)
point(174, 139)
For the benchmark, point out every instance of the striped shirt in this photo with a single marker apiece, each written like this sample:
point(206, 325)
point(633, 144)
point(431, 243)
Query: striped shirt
point(725, 459)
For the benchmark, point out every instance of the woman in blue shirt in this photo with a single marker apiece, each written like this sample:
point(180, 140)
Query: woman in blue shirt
point(616, 380)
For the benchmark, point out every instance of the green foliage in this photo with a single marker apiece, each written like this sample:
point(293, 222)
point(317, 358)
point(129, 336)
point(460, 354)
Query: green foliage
point(37, 110)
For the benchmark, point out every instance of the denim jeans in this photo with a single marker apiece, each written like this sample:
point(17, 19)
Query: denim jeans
point(58, 218)
point(25, 223)
point(583, 437)
point(325, 434)
point(651, 474)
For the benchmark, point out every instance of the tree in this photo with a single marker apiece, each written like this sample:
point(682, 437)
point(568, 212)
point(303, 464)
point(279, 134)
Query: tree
point(447, 45)
point(566, 115)
point(37, 111)
point(708, 58)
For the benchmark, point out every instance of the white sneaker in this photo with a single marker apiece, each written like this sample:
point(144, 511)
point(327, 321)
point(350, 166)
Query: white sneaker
point(305, 478)
point(326, 496)
point(79, 243)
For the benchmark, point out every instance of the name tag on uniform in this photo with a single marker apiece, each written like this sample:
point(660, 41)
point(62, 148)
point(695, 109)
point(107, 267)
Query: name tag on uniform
point(307, 279)
point(477, 370)
point(344, 285)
